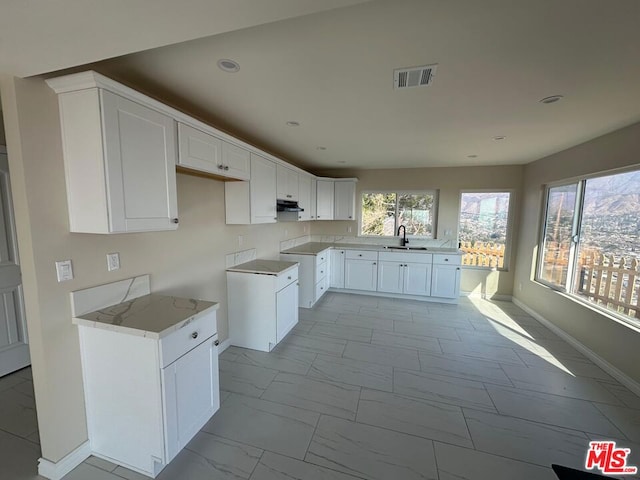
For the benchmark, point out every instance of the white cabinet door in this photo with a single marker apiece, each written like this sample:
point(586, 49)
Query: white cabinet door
point(345, 200)
point(304, 200)
point(287, 182)
point(199, 151)
point(191, 394)
point(337, 269)
point(140, 155)
point(263, 190)
point(236, 161)
point(286, 310)
point(360, 274)
point(417, 279)
point(445, 281)
point(390, 277)
point(324, 206)
point(314, 198)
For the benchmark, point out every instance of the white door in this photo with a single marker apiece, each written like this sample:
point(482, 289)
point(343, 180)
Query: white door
point(305, 197)
point(286, 310)
point(390, 277)
point(236, 161)
point(345, 194)
point(140, 146)
point(417, 278)
point(199, 151)
point(337, 268)
point(444, 281)
point(14, 348)
point(360, 275)
point(263, 190)
point(324, 206)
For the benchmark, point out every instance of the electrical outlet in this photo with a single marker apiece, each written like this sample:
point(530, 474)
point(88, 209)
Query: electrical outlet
point(64, 270)
point(113, 261)
point(349, 229)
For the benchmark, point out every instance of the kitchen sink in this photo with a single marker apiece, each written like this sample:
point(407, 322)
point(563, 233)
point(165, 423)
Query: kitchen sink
point(407, 248)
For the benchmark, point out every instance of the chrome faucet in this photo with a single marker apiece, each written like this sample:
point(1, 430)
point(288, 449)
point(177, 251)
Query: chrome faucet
point(403, 240)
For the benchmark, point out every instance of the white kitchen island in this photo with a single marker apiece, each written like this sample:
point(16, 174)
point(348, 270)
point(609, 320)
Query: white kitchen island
point(150, 371)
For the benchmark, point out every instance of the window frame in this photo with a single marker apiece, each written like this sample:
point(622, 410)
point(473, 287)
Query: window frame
point(510, 222)
point(581, 180)
point(434, 212)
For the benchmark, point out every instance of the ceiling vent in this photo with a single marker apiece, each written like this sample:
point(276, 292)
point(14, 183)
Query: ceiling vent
point(414, 76)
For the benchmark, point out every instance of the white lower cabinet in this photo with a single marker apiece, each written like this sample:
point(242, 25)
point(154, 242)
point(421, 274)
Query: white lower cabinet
point(445, 279)
point(262, 308)
point(314, 273)
point(146, 398)
point(361, 270)
point(405, 273)
point(337, 258)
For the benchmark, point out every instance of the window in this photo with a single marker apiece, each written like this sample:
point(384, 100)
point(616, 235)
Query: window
point(383, 212)
point(590, 245)
point(484, 228)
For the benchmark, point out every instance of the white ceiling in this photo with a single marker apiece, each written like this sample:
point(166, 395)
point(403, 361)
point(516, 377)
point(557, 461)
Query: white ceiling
point(333, 72)
point(42, 36)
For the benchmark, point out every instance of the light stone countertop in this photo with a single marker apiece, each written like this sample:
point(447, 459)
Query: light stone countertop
point(314, 248)
point(153, 316)
point(265, 267)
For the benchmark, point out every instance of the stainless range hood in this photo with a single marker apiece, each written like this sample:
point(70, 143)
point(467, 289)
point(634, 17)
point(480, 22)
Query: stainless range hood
point(288, 206)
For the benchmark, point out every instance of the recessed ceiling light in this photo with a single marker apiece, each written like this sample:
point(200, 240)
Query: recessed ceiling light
point(228, 65)
point(499, 137)
point(321, 148)
point(551, 99)
point(341, 161)
point(472, 156)
point(293, 123)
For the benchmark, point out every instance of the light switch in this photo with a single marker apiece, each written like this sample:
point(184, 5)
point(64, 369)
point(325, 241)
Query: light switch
point(64, 270)
point(113, 261)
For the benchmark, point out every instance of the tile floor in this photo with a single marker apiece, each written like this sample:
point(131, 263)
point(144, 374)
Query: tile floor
point(375, 388)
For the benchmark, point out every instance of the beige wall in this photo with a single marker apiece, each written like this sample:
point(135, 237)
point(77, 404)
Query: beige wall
point(450, 182)
point(614, 342)
point(2, 138)
point(189, 261)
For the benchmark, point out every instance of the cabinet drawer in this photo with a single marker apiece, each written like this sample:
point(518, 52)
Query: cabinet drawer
point(321, 288)
point(443, 259)
point(322, 257)
point(406, 257)
point(192, 334)
point(362, 255)
point(321, 271)
point(286, 278)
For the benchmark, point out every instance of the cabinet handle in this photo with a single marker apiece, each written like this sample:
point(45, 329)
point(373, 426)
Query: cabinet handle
point(349, 216)
point(194, 335)
point(321, 271)
point(458, 268)
point(220, 167)
point(299, 217)
point(175, 220)
point(288, 278)
point(226, 167)
point(275, 218)
point(359, 254)
point(216, 343)
point(288, 196)
point(446, 259)
point(318, 216)
point(374, 263)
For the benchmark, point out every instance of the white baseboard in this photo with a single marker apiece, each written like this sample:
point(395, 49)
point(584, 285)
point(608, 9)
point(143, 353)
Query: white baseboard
point(586, 351)
point(224, 345)
point(55, 471)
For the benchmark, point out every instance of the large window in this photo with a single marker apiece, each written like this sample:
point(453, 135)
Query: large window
point(590, 244)
point(384, 212)
point(484, 228)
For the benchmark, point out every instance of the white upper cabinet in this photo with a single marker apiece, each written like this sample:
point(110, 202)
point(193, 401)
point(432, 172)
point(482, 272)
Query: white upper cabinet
point(202, 152)
point(236, 161)
point(345, 199)
point(314, 197)
point(120, 161)
point(325, 200)
point(287, 183)
point(263, 190)
point(304, 196)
